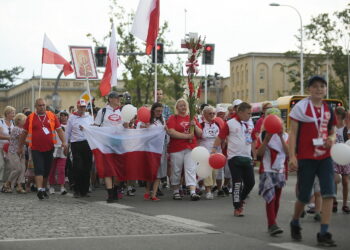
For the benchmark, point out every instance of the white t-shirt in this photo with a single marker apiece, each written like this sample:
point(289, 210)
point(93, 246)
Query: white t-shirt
point(73, 132)
point(5, 131)
point(239, 139)
point(111, 118)
point(210, 132)
point(340, 135)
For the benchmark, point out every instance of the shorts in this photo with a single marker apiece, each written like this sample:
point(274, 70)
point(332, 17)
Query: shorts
point(341, 169)
point(42, 162)
point(308, 170)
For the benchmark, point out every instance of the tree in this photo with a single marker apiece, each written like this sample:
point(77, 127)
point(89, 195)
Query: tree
point(7, 77)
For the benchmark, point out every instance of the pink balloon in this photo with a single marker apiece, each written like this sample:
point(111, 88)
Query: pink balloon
point(144, 115)
point(273, 124)
point(217, 161)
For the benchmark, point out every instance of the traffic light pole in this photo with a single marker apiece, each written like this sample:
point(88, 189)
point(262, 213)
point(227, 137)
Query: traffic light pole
point(205, 85)
point(155, 72)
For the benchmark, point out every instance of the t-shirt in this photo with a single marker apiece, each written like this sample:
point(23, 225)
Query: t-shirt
point(14, 139)
point(239, 138)
point(41, 141)
point(181, 124)
point(308, 131)
point(6, 130)
point(257, 127)
point(210, 132)
point(111, 118)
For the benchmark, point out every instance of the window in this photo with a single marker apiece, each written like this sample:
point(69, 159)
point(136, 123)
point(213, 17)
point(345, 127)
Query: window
point(262, 74)
point(262, 91)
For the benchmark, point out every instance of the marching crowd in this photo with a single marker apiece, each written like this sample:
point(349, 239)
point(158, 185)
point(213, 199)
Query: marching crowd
point(41, 149)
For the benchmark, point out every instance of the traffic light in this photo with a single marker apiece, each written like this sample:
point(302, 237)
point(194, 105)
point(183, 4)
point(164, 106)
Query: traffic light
point(100, 55)
point(208, 54)
point(160, 53)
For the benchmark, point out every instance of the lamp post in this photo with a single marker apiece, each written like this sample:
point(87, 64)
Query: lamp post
point(301, 46)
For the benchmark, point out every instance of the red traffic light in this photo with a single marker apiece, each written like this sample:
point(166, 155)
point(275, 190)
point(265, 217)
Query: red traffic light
point(101, 51)
point(159, 47)
point(208, 48)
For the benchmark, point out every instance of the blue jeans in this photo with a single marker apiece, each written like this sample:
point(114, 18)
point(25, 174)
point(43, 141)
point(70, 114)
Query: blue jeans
point(307, 171)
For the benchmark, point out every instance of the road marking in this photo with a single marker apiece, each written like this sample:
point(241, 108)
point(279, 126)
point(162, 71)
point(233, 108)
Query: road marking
point(115, 205)
point(293, 246)
point(181, 220)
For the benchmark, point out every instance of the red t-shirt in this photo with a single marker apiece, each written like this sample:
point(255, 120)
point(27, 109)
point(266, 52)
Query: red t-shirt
point(41, 141)
point(181, 124)
point(308, 131)
point(257, 128)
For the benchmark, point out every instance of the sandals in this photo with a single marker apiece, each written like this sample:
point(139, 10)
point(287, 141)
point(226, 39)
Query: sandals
point(6, 189)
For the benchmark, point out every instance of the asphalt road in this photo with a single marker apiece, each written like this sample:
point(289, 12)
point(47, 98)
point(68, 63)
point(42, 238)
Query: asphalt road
point(63, 222)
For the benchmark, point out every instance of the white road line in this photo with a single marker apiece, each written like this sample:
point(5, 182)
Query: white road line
point(115, 205)
point(181, 220)
point(293, 246)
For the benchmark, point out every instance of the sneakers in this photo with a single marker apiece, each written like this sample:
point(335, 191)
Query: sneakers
point(209, 196)
point(130, 193)
point(177, 196)
point(226, 190)
point(146, 196)
point(238, 212)
point(295, 232)
point(274, 230)
point(46, 196)
point(40, 195)
point(335, 207)
point(52, 190)
point(325, 240)
point(195, 197)
point(154, 198)
point(346, 209)
point(221, 193)
point(63, 191)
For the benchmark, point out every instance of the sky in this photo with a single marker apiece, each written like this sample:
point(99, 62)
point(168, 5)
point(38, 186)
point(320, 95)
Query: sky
point(235, 27)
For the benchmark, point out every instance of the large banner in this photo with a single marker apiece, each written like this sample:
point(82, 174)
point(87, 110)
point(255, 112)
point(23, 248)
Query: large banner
point(129, 154)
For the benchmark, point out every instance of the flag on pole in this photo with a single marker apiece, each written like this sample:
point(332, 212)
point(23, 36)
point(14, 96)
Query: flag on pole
point(109, 78)
point(128, 154)
point(146, 23)
point(52, 56)
point(85, 95)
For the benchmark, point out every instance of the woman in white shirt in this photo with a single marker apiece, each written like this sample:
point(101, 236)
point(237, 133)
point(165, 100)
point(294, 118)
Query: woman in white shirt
point(6, 125)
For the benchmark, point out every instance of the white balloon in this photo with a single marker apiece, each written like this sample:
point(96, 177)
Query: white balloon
point(203, 170)
point(128, 112)
point(340, 153)
point(347, 142)
point(200, 154)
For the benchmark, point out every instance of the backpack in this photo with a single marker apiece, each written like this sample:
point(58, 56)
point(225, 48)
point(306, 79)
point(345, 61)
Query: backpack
point(103, 116)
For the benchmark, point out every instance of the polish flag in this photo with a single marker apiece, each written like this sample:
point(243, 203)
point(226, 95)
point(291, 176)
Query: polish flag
point(109, 78)
point(146, 23)
point(52, 56)
point(128, 154)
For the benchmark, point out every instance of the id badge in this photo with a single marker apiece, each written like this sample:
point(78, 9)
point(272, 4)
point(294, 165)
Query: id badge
point(46, 131)
point(317, 142)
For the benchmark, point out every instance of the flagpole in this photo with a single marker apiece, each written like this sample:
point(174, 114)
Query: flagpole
point(88, 89)
point(155, 72)
point(41, 76)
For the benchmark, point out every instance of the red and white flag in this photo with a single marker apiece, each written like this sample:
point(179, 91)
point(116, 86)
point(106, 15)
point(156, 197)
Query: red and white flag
point(109, 78)
point(146, 23)
point(52, 56)
point(129, 154)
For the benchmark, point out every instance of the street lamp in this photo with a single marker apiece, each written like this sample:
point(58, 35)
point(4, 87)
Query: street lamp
point(301, 46)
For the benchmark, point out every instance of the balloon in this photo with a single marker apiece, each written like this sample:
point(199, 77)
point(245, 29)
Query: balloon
point(273, 124)
point(200, 154)
point(219, 121)
point(340, 153)
point(217, 161)
point(203, 170)
point(347, 142)
point(144, 114)
point(128, 112)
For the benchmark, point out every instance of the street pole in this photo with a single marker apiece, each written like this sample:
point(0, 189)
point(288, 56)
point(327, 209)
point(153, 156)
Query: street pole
point(349, 76)
point(155, 72)
point(205, 85)
point(327, 78)
point(301, 46)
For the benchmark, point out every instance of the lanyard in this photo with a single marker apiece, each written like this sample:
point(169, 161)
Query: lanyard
point(318, 126)
point(42, 121)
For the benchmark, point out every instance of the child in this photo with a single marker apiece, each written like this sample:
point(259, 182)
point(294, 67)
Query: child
point(272, 152)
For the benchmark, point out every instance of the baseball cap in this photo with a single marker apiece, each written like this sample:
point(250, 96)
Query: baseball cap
point(81, 102)
point(114, 94)
point(236, 102)
point(221, 110)
point(63, 112)
point(314, 79)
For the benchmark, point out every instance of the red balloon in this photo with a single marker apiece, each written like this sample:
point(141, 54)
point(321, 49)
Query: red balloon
point(273, 124)
point(217, 161)
point(219, 121)
point(144, 115)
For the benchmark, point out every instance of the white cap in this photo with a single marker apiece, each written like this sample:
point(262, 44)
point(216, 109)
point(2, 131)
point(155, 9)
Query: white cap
point(236, 102)
point(221, 109)
point(81, 103)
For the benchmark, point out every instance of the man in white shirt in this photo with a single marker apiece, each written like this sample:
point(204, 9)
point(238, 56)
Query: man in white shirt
point(239, 151)
point(82, 155)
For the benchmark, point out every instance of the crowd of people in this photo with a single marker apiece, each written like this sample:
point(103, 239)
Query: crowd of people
point(41, 150)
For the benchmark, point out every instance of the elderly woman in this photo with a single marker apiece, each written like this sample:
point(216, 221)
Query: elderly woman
point(6, 126)
point(211, 130)
point(182, 141)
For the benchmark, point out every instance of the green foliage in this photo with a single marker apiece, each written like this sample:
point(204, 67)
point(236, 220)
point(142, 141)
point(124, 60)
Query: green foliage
point(7, 77)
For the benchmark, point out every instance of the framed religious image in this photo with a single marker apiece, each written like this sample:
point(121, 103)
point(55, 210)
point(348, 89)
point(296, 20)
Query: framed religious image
point(84, 62)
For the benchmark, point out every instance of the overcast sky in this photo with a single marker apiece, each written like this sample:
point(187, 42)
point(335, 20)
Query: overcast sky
point(236, 27)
